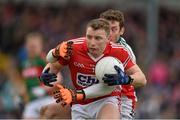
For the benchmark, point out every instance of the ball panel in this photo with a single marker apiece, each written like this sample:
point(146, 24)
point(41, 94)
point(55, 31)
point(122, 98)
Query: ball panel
point(106, 66)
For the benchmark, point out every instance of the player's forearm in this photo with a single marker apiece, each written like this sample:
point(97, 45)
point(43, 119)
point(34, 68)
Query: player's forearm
point(54, 67)
point(69, 96)
point(97, 90)
point(59, 78)
point(139, 79)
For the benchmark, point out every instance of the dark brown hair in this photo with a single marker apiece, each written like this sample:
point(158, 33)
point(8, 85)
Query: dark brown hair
point(115, 15)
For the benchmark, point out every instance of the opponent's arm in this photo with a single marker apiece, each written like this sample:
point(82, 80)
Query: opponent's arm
point(137, 75)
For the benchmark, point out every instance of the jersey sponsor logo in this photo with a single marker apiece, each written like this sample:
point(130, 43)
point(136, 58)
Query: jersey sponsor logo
point(85, 80)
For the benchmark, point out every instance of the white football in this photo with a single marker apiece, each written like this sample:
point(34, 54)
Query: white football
point(106, 66)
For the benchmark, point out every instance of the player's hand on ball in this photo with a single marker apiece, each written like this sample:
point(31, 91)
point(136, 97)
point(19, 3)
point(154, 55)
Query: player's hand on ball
point(63, 50)
point(66, 96)
point(46, 78)
point(120, 78)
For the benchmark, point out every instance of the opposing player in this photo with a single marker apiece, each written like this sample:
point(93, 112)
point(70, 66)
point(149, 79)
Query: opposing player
point(128, 99)
point(86, 52)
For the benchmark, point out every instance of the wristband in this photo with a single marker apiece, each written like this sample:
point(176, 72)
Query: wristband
point(51, 57)
point(80, 95)
point(55, 52)
point(130, 80)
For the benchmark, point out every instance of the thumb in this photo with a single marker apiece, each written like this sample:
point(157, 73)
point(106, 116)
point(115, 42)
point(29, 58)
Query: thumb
point(69, 45)
point(47, 70)
point(69, 42)
point(118, 69)
point(59, 86)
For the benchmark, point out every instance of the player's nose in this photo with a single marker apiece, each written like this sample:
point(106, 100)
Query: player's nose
point(92, 43)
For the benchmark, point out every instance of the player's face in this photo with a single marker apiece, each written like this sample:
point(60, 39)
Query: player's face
point(96, 41)
point(33, 47)
point(116, 31)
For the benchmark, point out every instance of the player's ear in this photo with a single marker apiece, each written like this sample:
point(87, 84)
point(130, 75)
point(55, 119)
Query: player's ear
point(121, 31)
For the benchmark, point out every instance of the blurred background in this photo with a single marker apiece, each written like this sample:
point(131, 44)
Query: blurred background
point(152, 30)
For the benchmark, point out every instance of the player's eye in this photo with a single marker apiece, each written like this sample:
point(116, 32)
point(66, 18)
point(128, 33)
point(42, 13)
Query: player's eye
point(89, 37)
point(114, 29)
point(98, 37)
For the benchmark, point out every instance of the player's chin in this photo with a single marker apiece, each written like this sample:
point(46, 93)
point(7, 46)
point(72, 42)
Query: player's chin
point(93, 52)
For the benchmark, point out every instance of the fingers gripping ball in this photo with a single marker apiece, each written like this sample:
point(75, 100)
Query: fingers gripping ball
point(121, 78)
point(106, 66)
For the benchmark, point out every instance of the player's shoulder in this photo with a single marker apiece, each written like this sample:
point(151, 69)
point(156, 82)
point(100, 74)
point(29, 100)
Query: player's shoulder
point(115, 45)
point(78, 40)
point(78, 43)
point(117, 48)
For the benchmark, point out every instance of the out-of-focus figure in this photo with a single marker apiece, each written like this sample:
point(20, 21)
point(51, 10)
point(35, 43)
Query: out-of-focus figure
point(32, 67)
point(10, 103)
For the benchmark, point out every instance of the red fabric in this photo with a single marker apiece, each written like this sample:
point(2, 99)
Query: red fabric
point(82, 65)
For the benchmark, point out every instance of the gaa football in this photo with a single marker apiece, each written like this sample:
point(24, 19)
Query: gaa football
point(106, 66)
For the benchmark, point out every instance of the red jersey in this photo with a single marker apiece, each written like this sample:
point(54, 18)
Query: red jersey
point(82, 65)
point(128, 90)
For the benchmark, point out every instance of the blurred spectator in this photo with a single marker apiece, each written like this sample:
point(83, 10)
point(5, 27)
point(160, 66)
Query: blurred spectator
point(158, 73)
point(10, 104)
point(32, 67)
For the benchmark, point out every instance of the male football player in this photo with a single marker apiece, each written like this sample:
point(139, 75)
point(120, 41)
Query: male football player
point(87, 51)
point(128, 98)
point(116, 20)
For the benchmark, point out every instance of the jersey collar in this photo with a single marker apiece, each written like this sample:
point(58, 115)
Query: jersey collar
point(107, 49)
point(118, 40)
